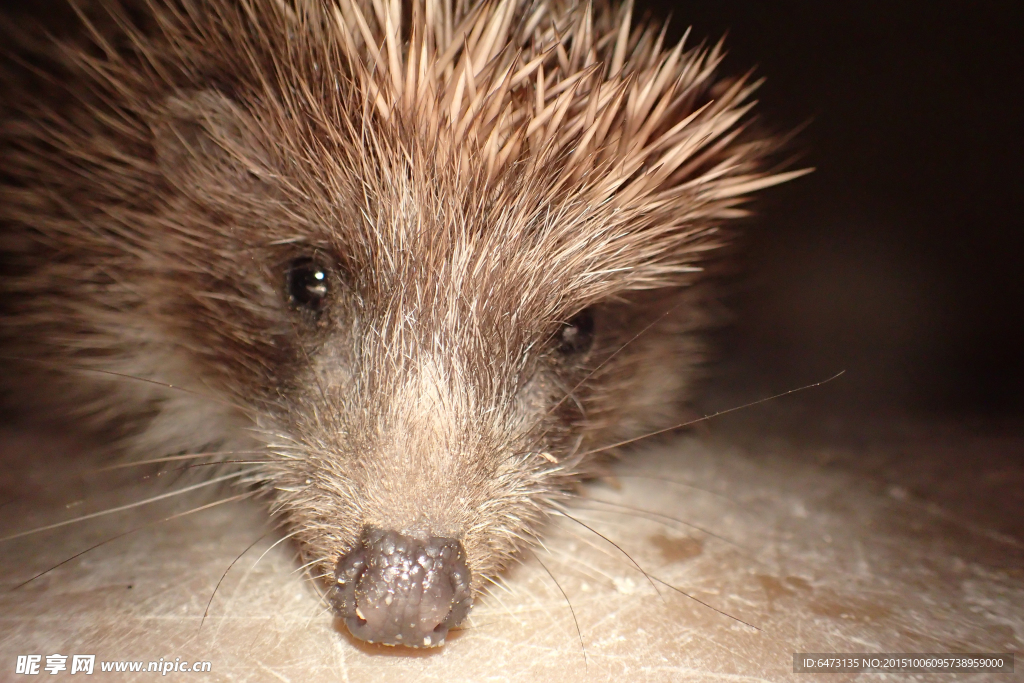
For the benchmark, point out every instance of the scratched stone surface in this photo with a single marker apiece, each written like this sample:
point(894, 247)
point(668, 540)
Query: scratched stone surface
point(710, 557)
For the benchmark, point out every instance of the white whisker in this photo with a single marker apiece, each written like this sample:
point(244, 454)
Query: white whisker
point(122, 508)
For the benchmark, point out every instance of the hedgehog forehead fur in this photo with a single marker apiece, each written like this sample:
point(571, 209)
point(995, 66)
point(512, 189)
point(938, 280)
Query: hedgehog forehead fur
point(471, 177)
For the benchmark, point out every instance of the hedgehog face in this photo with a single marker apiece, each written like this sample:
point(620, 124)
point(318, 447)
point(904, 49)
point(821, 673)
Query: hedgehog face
point(423, 443)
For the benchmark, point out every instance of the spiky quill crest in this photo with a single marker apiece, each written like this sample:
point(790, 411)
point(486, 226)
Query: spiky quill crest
point(480, 173)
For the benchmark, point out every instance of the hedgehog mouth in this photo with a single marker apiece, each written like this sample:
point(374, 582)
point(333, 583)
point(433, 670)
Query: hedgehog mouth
point(394, 589)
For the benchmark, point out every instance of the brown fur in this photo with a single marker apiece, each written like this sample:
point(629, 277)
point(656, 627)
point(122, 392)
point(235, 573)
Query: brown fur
point(474, 176)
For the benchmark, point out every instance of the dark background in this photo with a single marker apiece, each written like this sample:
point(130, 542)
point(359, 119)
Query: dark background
point(899, 259)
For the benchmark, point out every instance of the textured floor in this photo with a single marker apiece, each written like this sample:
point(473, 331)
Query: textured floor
point(911, 540)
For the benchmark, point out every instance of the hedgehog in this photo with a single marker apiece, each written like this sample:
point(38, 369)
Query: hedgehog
point(410, 270)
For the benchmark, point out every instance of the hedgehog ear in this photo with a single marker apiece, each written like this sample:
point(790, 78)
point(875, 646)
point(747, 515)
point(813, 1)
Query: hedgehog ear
point(205, 138)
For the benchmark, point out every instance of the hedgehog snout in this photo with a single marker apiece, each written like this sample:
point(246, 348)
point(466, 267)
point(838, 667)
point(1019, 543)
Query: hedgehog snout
point(395, 589)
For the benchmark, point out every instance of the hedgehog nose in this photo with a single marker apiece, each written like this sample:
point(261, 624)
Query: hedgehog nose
point(399, 590)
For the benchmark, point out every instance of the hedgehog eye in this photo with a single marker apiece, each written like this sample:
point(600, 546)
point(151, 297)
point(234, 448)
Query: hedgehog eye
point(577, 336)
point(307, 283)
